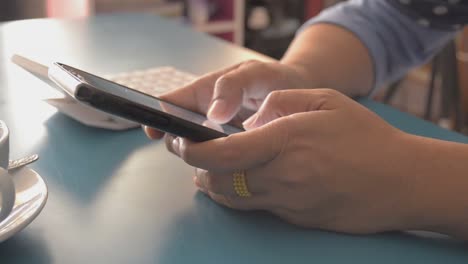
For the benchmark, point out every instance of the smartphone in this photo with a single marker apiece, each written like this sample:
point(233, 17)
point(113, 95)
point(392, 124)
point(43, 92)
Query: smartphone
point(136, 106)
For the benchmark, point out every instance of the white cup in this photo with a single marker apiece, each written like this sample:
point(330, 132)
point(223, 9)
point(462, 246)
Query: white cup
point(7, 187)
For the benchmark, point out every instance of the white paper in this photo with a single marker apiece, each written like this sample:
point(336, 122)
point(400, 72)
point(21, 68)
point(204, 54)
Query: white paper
point(71, 107)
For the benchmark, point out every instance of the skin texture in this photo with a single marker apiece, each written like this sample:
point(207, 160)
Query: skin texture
point(315, 157)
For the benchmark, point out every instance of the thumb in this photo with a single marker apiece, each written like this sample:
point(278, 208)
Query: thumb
point(237, 151)
point(245, 86)
point(288, 102)
point(228, 96)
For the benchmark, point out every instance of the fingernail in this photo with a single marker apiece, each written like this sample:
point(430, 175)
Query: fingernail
point(249, 122)
point(147, 132)
point(217, 110)
point(176, 145)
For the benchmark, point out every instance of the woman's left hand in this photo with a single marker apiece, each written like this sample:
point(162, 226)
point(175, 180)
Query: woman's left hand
point(313, 157)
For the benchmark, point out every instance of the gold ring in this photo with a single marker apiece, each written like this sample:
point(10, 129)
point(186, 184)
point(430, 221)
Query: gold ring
point(240, 184)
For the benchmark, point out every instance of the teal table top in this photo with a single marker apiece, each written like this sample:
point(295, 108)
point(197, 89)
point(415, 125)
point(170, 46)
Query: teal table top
point(117, 197)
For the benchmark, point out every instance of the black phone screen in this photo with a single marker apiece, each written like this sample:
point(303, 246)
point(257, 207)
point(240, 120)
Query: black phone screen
point(149, 101)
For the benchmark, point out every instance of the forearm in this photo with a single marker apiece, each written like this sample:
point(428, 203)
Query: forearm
point(439, 197)
point(359, 45)
point(332, 57)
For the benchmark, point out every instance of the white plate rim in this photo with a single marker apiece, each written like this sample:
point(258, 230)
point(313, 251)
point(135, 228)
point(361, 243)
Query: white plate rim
point(24, 222)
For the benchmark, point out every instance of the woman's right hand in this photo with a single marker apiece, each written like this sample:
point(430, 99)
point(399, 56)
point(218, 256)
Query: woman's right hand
point(235, 93)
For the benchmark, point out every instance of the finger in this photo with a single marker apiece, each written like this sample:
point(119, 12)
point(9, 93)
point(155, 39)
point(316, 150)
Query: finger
point(240, 203)
point(197, 95)
point(152, 133)
point(237, 151)
point(171, 142)
point(250, 80)
point(223, 182)
point(234, 201)
point(288, 102)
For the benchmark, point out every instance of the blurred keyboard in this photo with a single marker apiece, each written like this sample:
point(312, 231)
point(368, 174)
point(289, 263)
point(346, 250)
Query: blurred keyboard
point(153, 81)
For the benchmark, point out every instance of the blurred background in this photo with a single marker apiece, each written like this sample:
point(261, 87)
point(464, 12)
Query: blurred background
point(437, 91)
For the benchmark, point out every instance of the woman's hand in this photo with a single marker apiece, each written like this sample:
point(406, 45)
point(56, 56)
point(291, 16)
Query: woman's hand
point(313, 157)
point(233, 94)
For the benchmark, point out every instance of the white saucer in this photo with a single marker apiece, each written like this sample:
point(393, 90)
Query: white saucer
point(31, 196)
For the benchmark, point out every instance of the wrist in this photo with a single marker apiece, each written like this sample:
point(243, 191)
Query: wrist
point(436, 200)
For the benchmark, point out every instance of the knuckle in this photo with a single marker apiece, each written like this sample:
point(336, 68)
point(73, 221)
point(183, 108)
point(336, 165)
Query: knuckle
point(256, 66)
point(168, 141)
point(322, 97)
point(275, 97)
point(327, 93)
point(250, 63)
point(273, 102)
point(226, 81)
point(185, 154)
